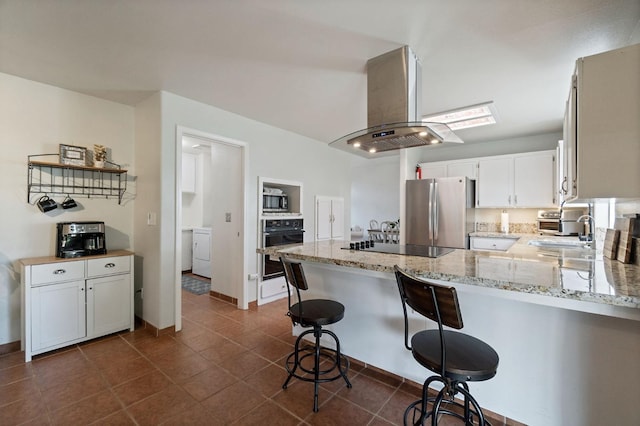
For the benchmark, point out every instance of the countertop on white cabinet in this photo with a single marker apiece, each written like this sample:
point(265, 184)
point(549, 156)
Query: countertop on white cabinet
point(52, 259)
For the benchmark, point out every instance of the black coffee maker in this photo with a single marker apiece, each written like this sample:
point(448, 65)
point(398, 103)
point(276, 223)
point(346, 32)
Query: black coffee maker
point(77, 239)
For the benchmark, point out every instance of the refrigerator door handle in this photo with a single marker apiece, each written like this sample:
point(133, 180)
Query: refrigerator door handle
point(435, 213)
point(430, 213)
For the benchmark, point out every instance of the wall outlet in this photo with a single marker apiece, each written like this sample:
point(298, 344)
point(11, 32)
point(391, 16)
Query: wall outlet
point(227, 217)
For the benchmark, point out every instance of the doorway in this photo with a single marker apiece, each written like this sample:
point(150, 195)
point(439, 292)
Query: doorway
point(223, 176)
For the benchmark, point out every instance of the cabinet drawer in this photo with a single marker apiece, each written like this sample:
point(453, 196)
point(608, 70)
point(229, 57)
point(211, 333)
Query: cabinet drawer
point(500, 244)
point(108, 266)
point(57, 272)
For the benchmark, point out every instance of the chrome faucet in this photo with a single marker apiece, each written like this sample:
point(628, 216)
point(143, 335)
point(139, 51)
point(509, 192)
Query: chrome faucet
point(588, 236)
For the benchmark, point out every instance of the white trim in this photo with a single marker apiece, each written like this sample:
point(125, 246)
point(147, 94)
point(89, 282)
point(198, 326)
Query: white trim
point(181, 131)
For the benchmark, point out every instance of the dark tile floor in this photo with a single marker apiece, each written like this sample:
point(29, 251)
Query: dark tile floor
point(224, 367)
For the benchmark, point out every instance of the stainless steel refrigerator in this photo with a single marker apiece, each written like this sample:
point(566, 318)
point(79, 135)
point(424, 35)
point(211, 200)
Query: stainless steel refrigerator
point(440, 212)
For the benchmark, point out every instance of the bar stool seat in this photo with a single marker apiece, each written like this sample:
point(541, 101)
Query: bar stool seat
point(455, 357)
point(320, 312)
point(314, 313)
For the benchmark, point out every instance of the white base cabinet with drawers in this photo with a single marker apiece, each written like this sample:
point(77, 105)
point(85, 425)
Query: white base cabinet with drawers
point(69, 301)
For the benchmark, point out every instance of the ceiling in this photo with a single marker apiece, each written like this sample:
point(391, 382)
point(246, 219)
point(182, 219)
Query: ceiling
point(300, 65)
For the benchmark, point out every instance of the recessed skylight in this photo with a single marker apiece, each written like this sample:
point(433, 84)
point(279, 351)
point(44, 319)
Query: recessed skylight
point(466, 117)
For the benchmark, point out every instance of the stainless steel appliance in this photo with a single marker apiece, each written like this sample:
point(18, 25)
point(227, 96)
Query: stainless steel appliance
point(274, 200)
point(563, 222)
point(77, 239)
point(548, 221)
point(278, 232)
point(394, 95)
point(440, 212)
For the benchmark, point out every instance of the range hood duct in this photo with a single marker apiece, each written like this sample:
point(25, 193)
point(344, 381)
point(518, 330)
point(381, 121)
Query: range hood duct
point(394, 109)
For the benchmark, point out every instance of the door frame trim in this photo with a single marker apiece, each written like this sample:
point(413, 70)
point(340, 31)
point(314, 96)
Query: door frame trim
point(182, 131)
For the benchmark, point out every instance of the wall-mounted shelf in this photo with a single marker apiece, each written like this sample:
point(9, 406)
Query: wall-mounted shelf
point(54, 178)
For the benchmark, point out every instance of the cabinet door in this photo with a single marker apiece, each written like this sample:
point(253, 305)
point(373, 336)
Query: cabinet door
point(108, 304)
point(433, 170)
point(189, 173)
point(534, 180)
point(323, 218)
point(57, 315)
point(495, 182)
point(337, 218)
point(462, 168)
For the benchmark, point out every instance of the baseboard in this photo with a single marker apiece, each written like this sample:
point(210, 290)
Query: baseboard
point(152, 329)
point(8, 348)
point(224, 297)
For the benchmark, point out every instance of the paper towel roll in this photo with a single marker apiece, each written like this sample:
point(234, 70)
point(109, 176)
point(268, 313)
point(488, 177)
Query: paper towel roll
point(504, 222)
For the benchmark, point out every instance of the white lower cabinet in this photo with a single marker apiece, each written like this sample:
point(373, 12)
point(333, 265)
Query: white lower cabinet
point(57, 315)
point(108, 304)
point(69, 301)
point(492, 244)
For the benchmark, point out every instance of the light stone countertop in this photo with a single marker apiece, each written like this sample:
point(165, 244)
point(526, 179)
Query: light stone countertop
point(52, 259)
point(575, 274)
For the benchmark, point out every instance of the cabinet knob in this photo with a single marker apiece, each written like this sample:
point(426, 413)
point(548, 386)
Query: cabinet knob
point(59, 271)
point(110, 265)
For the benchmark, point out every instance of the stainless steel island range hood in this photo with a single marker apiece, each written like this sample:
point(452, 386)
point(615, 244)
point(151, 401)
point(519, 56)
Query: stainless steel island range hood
point(393, 109)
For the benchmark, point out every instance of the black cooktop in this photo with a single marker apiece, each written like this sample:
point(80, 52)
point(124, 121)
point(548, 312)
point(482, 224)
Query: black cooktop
point(407, 250)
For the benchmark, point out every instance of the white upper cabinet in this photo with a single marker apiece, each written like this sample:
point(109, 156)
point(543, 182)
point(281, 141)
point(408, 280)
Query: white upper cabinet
point(189, 162)
point(466, 168)
point(434, 170)
point(519, 180)
point(602, 129)
point(452, 168)
point(495, 182)
point(514, 180)
point(534, 179)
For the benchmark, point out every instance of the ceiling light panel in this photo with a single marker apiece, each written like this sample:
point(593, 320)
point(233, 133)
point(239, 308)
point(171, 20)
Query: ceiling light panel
point(467, 117)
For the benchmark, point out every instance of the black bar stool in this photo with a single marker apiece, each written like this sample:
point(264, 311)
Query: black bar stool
point(455, 357)
point(313, 313)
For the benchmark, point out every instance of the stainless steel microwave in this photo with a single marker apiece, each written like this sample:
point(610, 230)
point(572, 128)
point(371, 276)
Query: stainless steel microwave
point(275, 203)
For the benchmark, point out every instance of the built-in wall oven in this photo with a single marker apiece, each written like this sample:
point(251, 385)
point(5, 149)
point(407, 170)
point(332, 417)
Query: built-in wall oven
point(279, 232)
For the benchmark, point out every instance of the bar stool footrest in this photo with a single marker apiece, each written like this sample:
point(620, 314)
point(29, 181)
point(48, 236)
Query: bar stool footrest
point(326, 354)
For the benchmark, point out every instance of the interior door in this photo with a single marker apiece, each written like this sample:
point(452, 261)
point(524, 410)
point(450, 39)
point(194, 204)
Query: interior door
point(227, 219)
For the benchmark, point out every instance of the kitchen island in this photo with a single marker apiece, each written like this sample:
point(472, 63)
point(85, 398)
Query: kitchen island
point(564, 322)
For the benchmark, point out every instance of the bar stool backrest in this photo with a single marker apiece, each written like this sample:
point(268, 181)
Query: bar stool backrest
point(434, 301)
point(294, 275)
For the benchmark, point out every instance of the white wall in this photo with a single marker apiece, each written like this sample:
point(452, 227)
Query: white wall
point(272, 152)
point(374, 191)
point(148, 167)
point(34, 119)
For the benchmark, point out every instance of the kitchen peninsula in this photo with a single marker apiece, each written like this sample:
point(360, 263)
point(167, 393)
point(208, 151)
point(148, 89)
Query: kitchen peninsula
point(564, 322)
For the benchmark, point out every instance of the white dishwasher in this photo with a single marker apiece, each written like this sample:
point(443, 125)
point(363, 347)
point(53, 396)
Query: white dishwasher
point(202, 252)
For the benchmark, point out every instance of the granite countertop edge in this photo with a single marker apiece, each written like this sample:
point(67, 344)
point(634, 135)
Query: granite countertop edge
point(524, 256)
